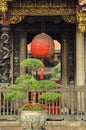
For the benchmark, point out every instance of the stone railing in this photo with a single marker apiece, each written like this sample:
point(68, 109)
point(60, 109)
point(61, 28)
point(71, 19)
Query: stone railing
point(71, 106)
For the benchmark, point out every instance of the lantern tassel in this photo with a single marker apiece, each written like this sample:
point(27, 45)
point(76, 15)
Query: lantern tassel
point(42, 70)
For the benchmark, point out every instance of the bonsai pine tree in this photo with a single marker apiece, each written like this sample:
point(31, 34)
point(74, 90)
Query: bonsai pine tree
point(27, 83)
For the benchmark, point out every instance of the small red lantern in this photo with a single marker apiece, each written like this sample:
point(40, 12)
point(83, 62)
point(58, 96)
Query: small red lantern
point(42, 46)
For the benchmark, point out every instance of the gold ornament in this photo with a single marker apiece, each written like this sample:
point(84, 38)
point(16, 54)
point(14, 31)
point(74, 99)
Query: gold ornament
point(69, 18)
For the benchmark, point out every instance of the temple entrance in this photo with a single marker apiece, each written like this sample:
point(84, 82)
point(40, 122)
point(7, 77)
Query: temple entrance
point(60, 31)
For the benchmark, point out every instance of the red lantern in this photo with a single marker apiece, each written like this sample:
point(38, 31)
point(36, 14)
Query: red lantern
point(42, 46)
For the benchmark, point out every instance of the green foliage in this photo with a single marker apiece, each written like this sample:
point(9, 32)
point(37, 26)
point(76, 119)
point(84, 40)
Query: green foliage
point(56, 72)
point(26, 83)
point(15, 95)
point(47, 85)
point(49, 96)
point(32, 64)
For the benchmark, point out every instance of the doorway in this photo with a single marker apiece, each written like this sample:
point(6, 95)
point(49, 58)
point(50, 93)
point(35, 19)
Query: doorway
point(60, 31)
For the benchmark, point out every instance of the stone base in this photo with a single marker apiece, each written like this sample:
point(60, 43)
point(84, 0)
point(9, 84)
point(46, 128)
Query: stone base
point(50, 125)
point(10, 125)
point(65, 125)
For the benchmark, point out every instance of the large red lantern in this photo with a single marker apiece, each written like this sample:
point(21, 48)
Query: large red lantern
point(42, 46)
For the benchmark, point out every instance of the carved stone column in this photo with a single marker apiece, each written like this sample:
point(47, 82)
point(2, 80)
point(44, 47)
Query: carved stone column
point(5, 50)
point(85, 57)
point(64, 59)
point(72, 98)
point(23, 50)
point(80, 58)
point(80, 69)
point(5, 46)
point(16, 54)
point(19, 52)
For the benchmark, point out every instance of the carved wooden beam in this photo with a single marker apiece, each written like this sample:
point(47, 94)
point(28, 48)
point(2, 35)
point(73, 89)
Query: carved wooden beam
point(42, 10)
point(18, 13)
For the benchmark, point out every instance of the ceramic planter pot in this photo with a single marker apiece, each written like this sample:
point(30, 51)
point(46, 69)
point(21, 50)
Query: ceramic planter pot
point(33, 120)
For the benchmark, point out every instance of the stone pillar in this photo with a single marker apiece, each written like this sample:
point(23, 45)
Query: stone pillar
point(11, 57)
point(5, 46)
point(80, 69)
point(64, 71)
point(79, 58)
point(23, 50)
point(72, 97)
point(64, 59)
point(85, 57)
point(5, 50)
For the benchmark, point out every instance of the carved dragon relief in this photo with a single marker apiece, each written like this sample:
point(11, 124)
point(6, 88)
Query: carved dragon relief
point(4, 58)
